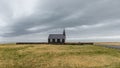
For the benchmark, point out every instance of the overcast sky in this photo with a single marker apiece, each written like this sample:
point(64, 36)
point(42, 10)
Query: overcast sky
point(84, 20)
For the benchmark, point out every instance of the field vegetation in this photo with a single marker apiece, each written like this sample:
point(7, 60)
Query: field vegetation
point(108, 43)
point(58, 56)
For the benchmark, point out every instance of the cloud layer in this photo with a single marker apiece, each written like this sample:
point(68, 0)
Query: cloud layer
point(84, 20)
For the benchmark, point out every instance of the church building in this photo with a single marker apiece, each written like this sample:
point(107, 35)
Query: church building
point(57, 38)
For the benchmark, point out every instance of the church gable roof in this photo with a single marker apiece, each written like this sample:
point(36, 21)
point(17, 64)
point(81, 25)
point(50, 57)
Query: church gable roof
point(56, 36)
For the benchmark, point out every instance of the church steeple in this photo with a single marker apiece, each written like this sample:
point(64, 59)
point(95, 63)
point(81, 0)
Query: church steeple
point(64, 32)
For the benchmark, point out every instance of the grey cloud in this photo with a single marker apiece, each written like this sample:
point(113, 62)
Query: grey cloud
point(62, 14)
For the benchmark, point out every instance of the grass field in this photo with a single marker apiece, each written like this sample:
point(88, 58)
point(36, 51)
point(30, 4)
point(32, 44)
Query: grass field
point(108, 43)
point(56, 56)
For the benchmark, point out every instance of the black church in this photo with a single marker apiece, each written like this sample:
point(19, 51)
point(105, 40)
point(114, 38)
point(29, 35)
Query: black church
point(57, 38)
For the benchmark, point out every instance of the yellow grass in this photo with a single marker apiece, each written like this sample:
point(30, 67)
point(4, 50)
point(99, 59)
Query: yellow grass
point(57, 56)
point(108, 43)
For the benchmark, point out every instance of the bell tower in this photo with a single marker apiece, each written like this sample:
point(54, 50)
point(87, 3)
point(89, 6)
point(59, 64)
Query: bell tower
point(64, 32)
